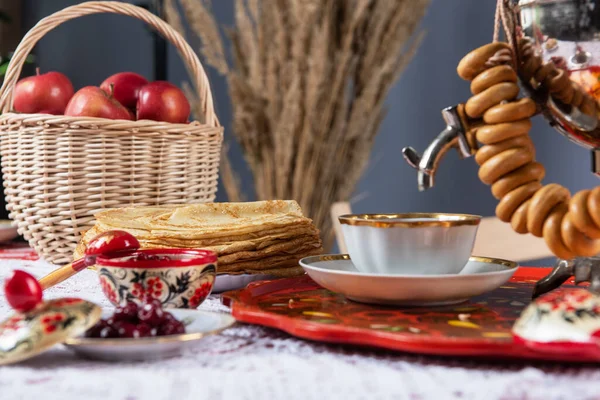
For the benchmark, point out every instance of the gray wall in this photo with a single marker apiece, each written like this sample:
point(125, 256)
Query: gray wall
point(91, 48)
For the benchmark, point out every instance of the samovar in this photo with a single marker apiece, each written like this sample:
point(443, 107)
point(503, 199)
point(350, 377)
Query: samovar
point(553, 46)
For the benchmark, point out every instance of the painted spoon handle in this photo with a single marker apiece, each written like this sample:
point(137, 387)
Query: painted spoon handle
point(61, 274)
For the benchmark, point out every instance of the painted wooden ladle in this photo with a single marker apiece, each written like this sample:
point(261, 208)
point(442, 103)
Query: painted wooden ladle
point(23, 292)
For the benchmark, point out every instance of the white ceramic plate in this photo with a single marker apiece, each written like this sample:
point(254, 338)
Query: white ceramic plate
point(199, 324)
point(7, 231)
point(224, 283)
point(338, 274)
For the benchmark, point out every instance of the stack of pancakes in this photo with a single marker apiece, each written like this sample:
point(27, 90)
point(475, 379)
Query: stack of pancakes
point(264, 237)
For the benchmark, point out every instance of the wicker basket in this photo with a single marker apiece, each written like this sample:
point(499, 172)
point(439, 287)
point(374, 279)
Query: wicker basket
point(59, 171)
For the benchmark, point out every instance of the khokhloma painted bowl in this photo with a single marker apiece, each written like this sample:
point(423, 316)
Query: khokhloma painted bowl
point(179, 278)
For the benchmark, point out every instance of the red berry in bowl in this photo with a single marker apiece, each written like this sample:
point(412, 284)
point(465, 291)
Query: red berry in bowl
point(151, 312)
point(126, 329)
point(128, 312)
point(173, 327)
point(143, 330)
point(109, 332)
point(96, 330)
point(168, 317)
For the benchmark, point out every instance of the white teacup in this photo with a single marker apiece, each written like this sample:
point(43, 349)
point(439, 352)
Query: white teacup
point(410, 244)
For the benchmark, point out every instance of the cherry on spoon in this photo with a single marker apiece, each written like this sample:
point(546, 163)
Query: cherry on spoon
point(23, 292)
point(109, 242)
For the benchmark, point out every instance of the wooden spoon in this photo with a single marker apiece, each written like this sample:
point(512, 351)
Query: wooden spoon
point(109, 242)
point(23, 292)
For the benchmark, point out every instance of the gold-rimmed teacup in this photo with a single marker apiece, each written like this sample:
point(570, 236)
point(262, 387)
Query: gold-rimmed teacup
point(410, 243)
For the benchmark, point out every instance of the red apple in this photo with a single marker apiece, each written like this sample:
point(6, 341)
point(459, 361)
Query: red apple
point(91, 101)
point(162, 101)
point(46, 93)
point(126, 87)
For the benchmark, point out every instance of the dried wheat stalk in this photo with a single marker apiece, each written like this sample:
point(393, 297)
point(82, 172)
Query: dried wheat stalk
point(307, 80)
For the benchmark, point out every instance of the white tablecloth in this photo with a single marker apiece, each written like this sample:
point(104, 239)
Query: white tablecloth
point(252, 362)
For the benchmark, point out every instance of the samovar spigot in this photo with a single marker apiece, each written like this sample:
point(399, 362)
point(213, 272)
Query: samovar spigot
point(454, 136)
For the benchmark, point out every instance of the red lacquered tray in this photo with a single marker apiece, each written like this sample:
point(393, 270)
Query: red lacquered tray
point(480, 327)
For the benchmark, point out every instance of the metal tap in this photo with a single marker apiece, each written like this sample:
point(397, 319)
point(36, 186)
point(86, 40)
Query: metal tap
point(453, 136)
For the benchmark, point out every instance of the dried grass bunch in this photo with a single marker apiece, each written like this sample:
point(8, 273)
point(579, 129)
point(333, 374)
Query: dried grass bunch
point(307, 82)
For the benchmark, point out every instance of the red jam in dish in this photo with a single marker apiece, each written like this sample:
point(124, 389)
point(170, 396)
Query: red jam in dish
point(150, 257)
point(133, 321)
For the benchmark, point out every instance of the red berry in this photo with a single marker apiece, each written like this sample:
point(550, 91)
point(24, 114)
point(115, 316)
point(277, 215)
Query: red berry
point(95, 330)
point(167, 317)
point(171, 328)
point(109, 332)
point(126, 329)
point(23, 292)
point(143, 330)
point(151, 312)
point(128, 312)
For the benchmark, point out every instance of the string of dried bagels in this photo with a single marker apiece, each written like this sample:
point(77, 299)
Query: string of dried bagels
point(569, 225)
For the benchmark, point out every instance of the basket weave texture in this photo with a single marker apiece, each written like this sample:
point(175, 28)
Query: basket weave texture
point(59, 171)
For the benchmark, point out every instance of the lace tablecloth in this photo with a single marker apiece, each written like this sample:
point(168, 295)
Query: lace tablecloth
point(252, 362)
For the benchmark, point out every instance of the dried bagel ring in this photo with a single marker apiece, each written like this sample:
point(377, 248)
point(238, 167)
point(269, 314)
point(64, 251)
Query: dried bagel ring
point(593, 205)
point(518, 221)
point(503, 163)
point(489, 151)
point(546, 70)
point(559, 82)
point(577, 241)
point(491, 77)
point(510, 112)
point(512, 200)
point(531, 66)
point(541, 205)
point(566, 96)
point(480, 103)
point(475, 62)
point(552, 232)
point(580, 215)
point(530, 172)
point(490, 134)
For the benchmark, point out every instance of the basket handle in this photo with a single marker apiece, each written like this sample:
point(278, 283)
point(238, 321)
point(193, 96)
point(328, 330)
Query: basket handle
point(99, 7)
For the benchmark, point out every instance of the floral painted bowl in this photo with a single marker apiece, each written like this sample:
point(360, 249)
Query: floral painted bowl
point(179, 278)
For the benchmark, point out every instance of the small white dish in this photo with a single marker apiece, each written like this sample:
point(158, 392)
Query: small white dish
point(198, 324)
point(7, 231)
point(410, 244)
point(338, 274)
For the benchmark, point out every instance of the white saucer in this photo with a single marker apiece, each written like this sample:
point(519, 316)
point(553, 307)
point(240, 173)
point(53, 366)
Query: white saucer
point(198, 324)
point(338, 274)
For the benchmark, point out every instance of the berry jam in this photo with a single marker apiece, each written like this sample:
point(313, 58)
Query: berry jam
point(133, 321)
point(151, 257)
